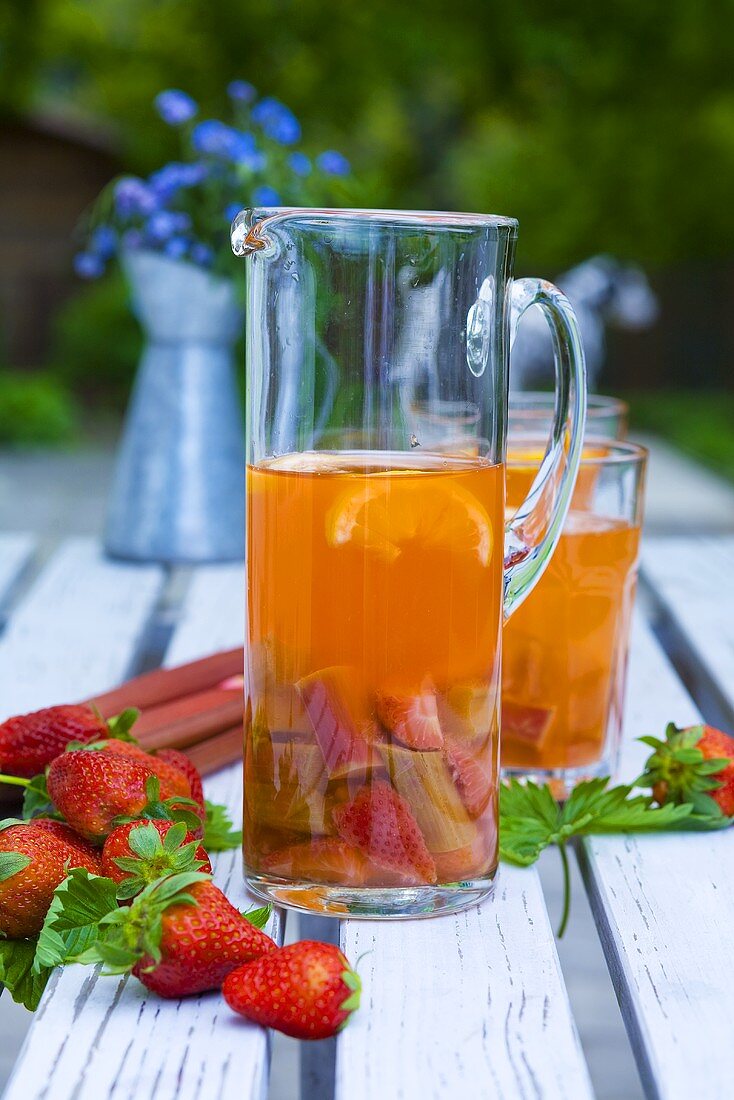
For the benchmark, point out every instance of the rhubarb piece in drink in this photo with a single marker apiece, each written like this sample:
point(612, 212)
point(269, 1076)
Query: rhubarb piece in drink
point(525, 724)
point(340, 719)
point(379, 822)
point(411, 718)
point(424, 781)
point(472, 861)
point(467, 711)
point(286, 787)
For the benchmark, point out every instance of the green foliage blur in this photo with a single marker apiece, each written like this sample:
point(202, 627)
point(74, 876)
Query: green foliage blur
point(602, 129)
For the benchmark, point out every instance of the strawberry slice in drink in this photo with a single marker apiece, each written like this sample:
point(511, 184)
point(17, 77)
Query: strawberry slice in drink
point(322, 860)
point(472, 773)
point(526, 724)
point(411, 718)
point(340, 720)
point(379, 822)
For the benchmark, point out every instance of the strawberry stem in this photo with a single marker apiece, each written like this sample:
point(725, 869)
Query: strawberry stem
point(566, 890)
point(15, 781)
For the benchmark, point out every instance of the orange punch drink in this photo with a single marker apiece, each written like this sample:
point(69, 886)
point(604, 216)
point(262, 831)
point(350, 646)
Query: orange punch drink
point(377, 357)
point(372, 728)
point(565, 648)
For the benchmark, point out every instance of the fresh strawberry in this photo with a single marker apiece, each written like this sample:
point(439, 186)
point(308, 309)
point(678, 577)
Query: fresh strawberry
point(307, 990)
point(180, 936)
point(472, 774)
point(139, 852)
point(379, 822)
point(693, 765)
point(32, 864)
point(171, 775)
point(29, 742)
point(186, 765)
point(81, 851)
point(93, 789)
point(412, 719)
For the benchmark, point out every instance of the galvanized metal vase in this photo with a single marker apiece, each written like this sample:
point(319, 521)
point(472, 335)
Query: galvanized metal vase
point(178, 491)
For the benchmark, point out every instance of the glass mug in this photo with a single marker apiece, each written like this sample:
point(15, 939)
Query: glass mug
point(565, 651)
point(379, 565)
point(531, 413)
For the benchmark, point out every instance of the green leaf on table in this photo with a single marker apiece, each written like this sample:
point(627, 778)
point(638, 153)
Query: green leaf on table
point(23, 982)
point(73, 920)
point(219, 833)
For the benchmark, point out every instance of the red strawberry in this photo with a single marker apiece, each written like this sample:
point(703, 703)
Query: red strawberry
point(92, 788)
point(379, 822)
point(170, 775)
point(181, 936)
point(139, 852)
point(186, 765)
point(472, 775)
point(82, 852)
point(307, 990)
point(28, 742)
point(412, 719)
point(706, 771)
point(32, 864)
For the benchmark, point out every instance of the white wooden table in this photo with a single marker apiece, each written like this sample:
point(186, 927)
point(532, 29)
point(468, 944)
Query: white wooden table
point(472, 1005)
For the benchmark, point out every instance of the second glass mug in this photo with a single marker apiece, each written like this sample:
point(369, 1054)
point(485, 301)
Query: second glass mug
point(379, 562)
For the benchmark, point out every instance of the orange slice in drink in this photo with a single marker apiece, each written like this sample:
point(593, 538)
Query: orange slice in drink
point(386, 514)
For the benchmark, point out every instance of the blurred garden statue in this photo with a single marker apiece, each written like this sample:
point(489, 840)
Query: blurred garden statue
point(603, 292)
point(178, 492)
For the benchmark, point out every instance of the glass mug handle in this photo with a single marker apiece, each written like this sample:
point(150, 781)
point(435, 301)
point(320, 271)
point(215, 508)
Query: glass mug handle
point(532, 533)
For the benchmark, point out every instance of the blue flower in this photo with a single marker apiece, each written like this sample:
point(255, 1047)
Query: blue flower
point(202, 254)
point(173, 177)
point(165, 223)
point(103, 242)
point(175, 107)
point(333, 163)
point(216, 139)
point(232, 211)
point(176, 247)
point(277, 121)
point(255, 161)
point(265, 196)
point(133, 238)
point(132, 197)
point(300, 164)
point(241, 91)
point(88, 266)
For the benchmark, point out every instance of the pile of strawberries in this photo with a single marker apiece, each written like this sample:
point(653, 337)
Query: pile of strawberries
point(110, 865)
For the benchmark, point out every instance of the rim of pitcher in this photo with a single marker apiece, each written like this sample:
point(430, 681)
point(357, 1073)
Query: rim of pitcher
point(264, 215)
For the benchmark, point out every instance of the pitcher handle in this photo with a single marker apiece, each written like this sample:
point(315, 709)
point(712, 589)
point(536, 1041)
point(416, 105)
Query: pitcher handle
point(532, 533)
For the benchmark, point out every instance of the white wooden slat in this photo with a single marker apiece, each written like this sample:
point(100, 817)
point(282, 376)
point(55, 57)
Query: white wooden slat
point(78, 629)
point(15, 553)
point(663, 905)
point(693, 582)
point(467, 1005)
point(103, 1037)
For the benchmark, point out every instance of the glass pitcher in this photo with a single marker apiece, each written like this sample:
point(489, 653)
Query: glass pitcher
point(380, 566)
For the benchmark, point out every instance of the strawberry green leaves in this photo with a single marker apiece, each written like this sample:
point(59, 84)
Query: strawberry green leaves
point(72, 923)
point(532, 820)
point(259, 917)
point(119, 727)
point(23, 982)
point(219, 834)
point(678, 770)
point(11, 863)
